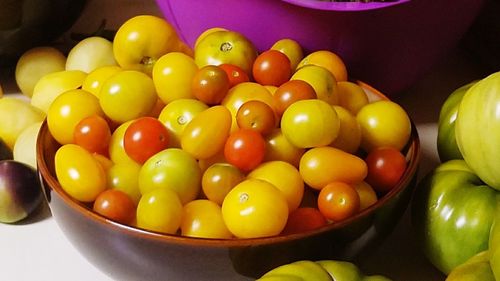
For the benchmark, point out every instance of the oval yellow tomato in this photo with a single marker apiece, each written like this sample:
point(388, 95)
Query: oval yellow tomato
point(349, 137)
point(94, 80)
point(203, 218)
point(329, 60)
point(206, 134)
point(320, 166)
point(83, 179)
point(291, 49)
point(351, 96)
point(278, 147)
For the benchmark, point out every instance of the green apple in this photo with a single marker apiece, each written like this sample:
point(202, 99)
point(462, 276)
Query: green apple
point(478, 129)
point(452, 214)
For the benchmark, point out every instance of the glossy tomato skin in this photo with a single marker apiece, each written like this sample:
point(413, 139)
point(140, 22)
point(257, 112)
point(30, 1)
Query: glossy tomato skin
point(219, 179)
point(93, 133)
point(338, 201)
point(320, 166)
point(386, 166)
point(160, 210)
point(291, 49)
point(255, 208)
point(304, 219)
point(203, 218)
point(256, 115)
point(145, 137)
point(210, 84)
point(211, 126)
point(271, 67)
point(84, 179)
point(235, 74)
point(290, 92)
point(115, 205)
point(245, 149)
point(225, 46)
point(278, 147)
point(383, 123)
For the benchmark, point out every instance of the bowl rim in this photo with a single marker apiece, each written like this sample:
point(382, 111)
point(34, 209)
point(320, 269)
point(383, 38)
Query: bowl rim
point(413, 160)
point(344, 6)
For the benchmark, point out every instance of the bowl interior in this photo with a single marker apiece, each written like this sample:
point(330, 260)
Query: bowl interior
point(47, 146)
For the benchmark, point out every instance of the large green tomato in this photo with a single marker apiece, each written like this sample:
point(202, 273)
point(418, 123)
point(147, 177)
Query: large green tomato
point(494, 247)
point(452, 214)
point(446, 141)
point(478, 129)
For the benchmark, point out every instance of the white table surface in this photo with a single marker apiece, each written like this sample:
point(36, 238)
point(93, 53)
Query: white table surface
point(36, 249)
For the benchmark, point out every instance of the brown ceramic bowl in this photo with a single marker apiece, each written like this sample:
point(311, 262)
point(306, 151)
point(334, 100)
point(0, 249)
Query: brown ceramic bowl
point(128, 253)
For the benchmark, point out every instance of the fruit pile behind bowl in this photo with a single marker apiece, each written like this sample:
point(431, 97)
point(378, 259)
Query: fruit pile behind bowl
point(220, 161)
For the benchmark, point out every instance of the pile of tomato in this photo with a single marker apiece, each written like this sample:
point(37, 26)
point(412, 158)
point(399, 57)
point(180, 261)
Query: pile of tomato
point(223, 141)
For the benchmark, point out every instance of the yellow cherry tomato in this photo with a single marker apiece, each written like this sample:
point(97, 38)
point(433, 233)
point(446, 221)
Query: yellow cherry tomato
point(310, 123)
point(255, 208)
point(68, 110)
point(173, 75)
point(351, 96)
point(124, 177)
point(50, 86)
point(160, 210)
point(94, 80)
point(79, 173)
point(278, 147)
point(367, 195)
point(320, 166)
point(322, 81)
point(349, 137)
point(127, 95)
point(177, 114)
point(205, 33)
point(383, 123)
point(283, 176)
point(142, 40)
point(203, 218)
point(206, 134)
point(328, 60)
point(116, 149)
point(291, 49)
point(225, 46)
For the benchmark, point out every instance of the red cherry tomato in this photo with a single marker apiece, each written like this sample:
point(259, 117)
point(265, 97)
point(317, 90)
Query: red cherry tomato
point(145, 137)
point(338, 201)
point(304, 219)
point(235, 74)
point(93, 134)
point(386, 165)
point(272, 67)
point(256, 115)
point(210, 84)
point(245, 149)
point(290, 92)
point(115, 205)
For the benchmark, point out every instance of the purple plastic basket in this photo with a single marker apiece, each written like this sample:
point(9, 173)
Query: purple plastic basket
point(387, 44)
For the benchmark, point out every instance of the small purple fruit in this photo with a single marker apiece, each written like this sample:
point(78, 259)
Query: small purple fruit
point(20, 191)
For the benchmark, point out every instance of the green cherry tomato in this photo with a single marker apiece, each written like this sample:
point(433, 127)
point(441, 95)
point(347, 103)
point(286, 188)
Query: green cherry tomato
point(173, 169)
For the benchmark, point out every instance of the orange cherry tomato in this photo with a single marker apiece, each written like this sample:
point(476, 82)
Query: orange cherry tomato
point(304, 219)
point(338, 201)
point(145, 137)
point(386, 166)
point(93, 133)
point(245, 149)
point(210, 84)
point(115, 205)
point(271, 67)
point(256, 115)
point(235, 74)
point(290, 92)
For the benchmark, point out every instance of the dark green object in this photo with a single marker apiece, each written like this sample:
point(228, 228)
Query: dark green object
point(446, 141)
point(452, 214)
point(25, 24)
